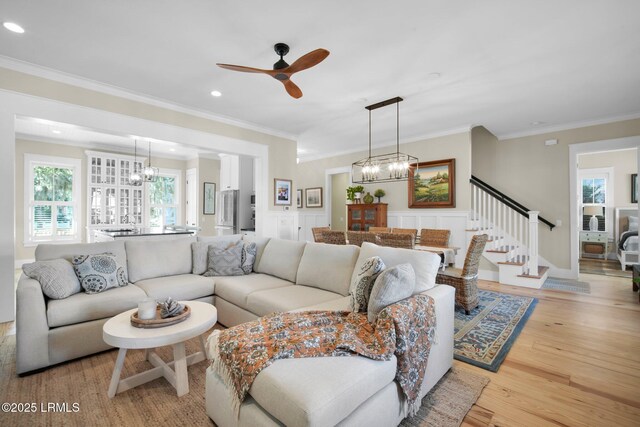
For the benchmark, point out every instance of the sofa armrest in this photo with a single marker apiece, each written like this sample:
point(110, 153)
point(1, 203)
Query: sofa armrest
point(32, 329)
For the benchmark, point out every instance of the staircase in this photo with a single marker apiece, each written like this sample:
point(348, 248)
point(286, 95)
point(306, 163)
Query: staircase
point(513, 235)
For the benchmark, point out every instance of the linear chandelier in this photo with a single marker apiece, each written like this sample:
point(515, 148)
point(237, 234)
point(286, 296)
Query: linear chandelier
point(389, 167)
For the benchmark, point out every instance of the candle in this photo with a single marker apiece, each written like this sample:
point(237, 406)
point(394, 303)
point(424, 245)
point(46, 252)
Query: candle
point(147, 309)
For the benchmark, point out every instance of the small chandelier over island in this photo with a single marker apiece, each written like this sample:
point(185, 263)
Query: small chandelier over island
point(384, 167)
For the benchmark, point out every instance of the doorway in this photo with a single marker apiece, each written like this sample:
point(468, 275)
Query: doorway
point(339, 184)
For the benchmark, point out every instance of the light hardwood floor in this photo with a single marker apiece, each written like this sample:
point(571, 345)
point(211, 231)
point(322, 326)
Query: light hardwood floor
point(576, 362)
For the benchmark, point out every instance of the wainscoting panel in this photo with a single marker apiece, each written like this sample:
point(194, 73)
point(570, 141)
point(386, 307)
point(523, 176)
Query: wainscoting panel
point(283, 225)
point(309, 220)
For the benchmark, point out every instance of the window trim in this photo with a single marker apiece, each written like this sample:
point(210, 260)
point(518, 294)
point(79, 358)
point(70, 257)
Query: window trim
point(608, 173)
point(174, 173)
point(33, 160)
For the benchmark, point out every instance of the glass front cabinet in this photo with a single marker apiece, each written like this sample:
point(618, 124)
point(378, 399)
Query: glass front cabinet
point(112, 202)
point(361, 216)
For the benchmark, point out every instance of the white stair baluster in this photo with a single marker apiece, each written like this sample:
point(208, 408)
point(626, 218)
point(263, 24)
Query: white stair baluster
point(533, 242)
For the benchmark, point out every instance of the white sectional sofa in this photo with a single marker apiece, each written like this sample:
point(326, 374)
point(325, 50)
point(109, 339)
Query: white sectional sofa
point(287, 276)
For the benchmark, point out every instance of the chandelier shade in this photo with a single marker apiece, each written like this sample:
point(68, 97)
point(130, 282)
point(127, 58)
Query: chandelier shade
point(135, 177)
point(389, 167)
point(149, 173)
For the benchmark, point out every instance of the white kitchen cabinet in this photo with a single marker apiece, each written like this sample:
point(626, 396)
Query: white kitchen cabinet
point(229, 172)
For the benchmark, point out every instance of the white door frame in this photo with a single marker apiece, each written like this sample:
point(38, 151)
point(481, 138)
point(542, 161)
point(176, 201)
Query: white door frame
point(191, 183)
point(574, 151)
point(327, 185)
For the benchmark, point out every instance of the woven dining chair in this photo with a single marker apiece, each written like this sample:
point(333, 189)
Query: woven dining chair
point(317, 233)
point(465, 280)
point(412, 231)
point(334, 237)
point(357, 237)
point(379, 230)
point(435, 237)
point(396, 240)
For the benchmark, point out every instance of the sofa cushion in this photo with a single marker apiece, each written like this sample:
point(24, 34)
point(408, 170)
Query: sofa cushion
point(287, 299)
point(425, 264)
point(47, 251)
point(84, 307)
point(281, 259)
point(341, 304)
point(56, 277)
point(99, 272)
point(225, 259)
point(393, 285)
point(319, 391)
point(236, 289)
point(232, 238)
point(156, 258)
point(327, 267)
point(261, 243)
point(179, 287)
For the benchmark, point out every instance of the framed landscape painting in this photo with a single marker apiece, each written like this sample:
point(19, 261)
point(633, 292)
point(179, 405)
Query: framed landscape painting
point(209, 205)
point(314, 197)
point(433, 185)
point(282, 192)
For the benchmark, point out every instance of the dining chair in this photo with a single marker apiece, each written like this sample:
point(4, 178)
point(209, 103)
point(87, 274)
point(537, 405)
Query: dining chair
point(435, 237)
point(412, 231)
point(379, 229)
point(357, 237)
point(465, 280)
point(397, 240)
point(334, 237)
point(317, 233)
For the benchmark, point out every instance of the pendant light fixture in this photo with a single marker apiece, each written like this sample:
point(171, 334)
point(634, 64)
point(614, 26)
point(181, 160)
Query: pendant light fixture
point(150, 174)
point(384, 167)
point(135, 178)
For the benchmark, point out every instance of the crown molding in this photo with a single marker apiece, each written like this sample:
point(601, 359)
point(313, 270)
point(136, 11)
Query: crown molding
point(82, 82)
point(539, 130)
point(386, 144)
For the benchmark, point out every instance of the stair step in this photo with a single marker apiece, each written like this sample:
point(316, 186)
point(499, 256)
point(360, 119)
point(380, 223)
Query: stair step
point(512, 263)
point(518, 260)
point(541, 271)
point(502, 249)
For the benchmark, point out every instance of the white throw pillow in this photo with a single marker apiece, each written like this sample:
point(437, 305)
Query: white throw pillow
point(199, 253)
point(361, 290)
point(391, 286)
point(56, 277)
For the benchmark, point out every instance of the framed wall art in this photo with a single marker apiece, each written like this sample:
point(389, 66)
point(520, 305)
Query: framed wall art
point(299, 198)
point(314, 197)
point(634, 188)
point(433, 184)
point(209, 199)
point(282, 192)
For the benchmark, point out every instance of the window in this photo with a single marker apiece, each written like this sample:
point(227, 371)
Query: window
point(52, 199)
point(164, 199)
point(596, 194)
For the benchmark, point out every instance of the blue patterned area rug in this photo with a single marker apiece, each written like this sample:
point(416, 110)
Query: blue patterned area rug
point(484, 337)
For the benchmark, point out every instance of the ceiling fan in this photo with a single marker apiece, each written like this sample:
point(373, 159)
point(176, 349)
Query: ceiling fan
point(283, 71)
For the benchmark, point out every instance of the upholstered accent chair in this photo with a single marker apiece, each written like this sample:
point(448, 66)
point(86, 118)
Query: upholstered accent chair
point(317, 233)
point(435, 237)
point(465, 280)
point(397, 240)
point(357, 237)
point(334, 237)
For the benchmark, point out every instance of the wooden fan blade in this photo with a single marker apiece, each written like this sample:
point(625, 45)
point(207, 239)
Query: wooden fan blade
point(307, 61)
point(245, 69)
point(292, 88)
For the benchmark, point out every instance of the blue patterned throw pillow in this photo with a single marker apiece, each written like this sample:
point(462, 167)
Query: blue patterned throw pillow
point(361, 288)
point(99, 272)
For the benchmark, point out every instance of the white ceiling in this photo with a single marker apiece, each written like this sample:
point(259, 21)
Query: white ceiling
point(503, 64)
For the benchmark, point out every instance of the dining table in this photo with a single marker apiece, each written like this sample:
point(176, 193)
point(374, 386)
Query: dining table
point(447, 255)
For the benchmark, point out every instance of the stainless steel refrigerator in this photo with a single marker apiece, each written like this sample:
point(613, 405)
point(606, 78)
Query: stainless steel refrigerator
point(229, 217)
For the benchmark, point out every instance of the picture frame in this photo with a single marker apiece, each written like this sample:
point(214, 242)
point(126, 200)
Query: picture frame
point(313, 197)
point(209, 198)
point(634, 188)
point(299, 198)
point(282, 192)
point(432, 184)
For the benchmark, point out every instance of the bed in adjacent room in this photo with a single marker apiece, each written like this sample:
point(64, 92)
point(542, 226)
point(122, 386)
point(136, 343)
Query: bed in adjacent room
point(626, 231)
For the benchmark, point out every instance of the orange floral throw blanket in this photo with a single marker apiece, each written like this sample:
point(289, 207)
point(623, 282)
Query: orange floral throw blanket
point(404, 329)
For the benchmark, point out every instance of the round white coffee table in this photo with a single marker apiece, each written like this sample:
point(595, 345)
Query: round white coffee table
point(119, 332)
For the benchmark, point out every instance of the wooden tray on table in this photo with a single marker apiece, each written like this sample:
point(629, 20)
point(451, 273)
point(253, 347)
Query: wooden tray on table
point(159, 322)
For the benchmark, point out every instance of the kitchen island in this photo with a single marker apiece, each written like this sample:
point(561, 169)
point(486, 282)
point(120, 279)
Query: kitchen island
point(145, 233)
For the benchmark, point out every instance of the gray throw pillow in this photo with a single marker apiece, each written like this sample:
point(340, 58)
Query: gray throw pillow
point(199, 257)
point(225, 259)
point(391, 286)
point(56, 277)
point(99, 272)
point(364, 281)
point(249, 251)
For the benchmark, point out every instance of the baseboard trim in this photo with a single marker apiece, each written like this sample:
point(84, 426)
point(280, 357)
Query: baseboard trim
point(562, 273)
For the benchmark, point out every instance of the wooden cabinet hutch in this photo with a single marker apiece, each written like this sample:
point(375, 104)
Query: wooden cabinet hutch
point(361, 216)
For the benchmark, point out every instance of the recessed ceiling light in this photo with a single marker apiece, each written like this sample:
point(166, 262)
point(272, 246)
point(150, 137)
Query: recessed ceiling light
point(56, 131)
point(536, 123)
point(172, 149)
point(216, 93)
point(433, 75)
point(12, 26)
